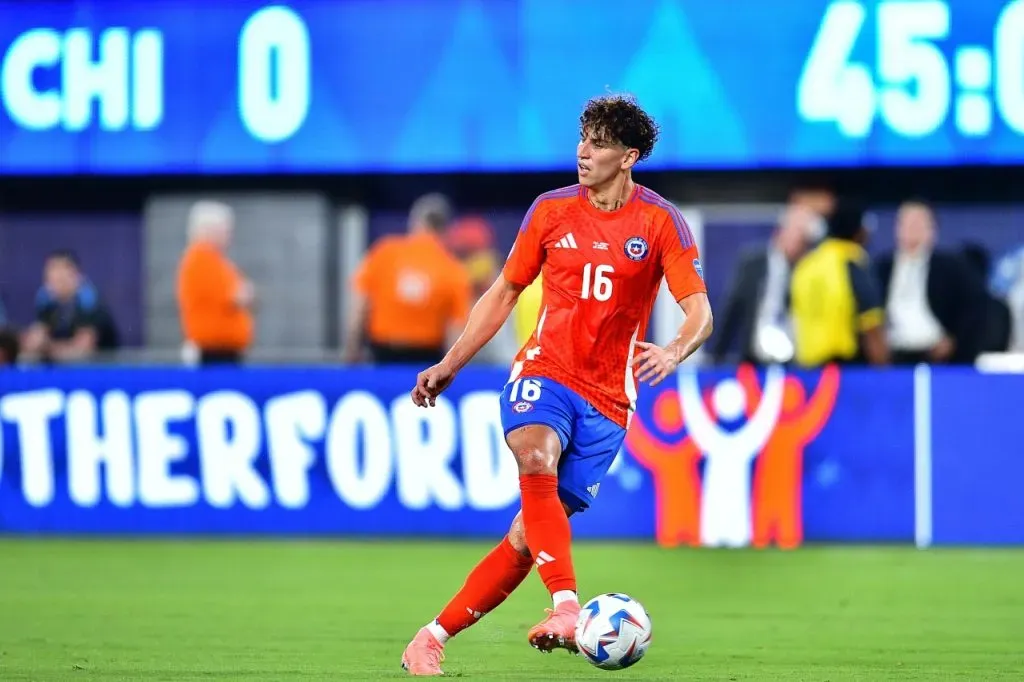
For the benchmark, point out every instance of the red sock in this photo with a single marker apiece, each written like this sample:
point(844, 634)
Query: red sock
point(496, 576)
point(548, 534)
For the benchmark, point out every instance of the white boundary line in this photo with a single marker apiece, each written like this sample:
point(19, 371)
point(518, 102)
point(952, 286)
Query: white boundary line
point(922, 456)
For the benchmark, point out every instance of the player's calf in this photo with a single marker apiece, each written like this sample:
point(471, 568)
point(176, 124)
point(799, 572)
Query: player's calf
point(489, 583)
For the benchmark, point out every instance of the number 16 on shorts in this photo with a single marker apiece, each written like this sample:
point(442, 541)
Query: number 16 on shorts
point(524, 392)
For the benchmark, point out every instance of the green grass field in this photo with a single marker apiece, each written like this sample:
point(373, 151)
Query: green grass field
point(170, 610)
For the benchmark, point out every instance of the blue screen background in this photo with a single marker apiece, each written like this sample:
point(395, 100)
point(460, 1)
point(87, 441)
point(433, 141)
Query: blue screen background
point(405, 86)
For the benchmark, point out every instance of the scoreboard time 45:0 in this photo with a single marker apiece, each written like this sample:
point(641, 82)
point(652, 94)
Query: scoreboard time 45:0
point(920, 75)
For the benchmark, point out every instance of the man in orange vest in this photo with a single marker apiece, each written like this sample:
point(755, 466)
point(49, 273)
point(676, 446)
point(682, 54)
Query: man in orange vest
point(214, 298)
point(412, 296)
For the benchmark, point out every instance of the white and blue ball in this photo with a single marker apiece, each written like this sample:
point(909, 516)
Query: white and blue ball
point(613, 631)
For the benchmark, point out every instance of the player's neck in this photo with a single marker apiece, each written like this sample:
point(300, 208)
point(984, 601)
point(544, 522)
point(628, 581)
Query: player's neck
point(613, 195)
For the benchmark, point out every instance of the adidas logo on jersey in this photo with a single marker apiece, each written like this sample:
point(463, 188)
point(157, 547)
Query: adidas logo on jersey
point(566, 242)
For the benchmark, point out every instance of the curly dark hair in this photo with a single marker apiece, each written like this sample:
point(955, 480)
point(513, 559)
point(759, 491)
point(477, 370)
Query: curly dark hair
point(619, 119)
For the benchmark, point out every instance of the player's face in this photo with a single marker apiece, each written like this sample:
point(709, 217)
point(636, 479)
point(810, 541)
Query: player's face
point(599, 159)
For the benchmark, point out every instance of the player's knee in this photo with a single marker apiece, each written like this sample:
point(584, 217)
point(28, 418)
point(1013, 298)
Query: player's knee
point(536, 450)
point(535, 460)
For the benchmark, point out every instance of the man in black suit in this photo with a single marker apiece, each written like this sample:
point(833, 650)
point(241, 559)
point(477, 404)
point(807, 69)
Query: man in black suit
point(998, 325)
point(755, 318)
point(934, 300)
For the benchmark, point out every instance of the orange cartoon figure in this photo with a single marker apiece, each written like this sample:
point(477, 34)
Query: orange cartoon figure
point(708, 505)
point(675, 470)
point(777, 513)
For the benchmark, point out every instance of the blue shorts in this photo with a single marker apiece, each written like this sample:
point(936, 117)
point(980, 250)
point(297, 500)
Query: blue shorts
point(590, 440)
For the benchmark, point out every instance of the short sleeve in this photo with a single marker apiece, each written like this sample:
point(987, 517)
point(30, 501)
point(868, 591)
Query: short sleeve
point(527, 255)
point(680, 260)
point(867, 297)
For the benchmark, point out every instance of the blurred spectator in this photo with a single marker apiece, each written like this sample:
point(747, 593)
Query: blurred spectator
point(836, 308)
point(821, 201)
point(1008, 285)
point(755, 317)
point(527, 311)
point(9, 347)
point(935, 303)
point(998, 322)
point(71, 321)
point(411, 295)
point(214, 299)
point(471, 240)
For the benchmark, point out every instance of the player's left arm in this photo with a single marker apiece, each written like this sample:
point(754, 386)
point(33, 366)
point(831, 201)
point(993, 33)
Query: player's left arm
point(681, 265)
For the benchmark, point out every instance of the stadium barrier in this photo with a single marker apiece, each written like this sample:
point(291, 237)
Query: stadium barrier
point(723, 458)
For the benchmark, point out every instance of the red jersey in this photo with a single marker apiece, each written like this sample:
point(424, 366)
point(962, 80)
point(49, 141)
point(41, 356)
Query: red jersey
point(601, 271)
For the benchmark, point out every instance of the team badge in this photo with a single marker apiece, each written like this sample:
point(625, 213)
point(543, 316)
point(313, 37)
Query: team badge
point(636, 248)
point(522, 406)
point(697, 266)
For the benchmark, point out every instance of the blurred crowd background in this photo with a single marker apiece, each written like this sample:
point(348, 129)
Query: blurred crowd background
point(258, 270)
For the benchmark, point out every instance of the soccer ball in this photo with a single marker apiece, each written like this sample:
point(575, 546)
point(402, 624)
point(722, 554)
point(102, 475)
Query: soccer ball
point(613, 631)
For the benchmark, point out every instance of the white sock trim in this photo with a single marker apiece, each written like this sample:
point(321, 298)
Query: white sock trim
point(434, 628)
point(564, 595)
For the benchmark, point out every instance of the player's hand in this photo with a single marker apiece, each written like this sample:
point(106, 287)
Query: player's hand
point(429, 384)
point(655, 362)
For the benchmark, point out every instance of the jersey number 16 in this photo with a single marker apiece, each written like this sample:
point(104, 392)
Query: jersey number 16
point(595, 284)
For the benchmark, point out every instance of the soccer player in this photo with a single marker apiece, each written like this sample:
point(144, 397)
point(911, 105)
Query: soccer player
point(603, 246)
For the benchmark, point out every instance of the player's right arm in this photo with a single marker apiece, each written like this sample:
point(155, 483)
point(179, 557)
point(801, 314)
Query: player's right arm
point(496, 305)
point(485, 319)
point(491, 311)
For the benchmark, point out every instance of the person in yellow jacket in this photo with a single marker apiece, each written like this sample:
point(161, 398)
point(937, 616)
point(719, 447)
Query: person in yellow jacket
point(527, 310)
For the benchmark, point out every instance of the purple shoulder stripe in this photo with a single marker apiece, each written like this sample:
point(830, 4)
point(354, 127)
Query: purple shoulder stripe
point(561, 193)
point(682, 229)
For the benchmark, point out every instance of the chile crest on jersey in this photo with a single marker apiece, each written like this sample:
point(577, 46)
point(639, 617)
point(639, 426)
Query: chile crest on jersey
point(636, 248)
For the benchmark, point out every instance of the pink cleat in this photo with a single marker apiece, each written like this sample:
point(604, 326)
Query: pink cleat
point(424, 654)
point(558, 630)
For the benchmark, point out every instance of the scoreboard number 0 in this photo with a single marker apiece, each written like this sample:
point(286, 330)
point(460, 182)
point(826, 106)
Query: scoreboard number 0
point(274, 74)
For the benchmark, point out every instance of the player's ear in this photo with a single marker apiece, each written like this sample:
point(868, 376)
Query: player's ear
point(630, 158)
